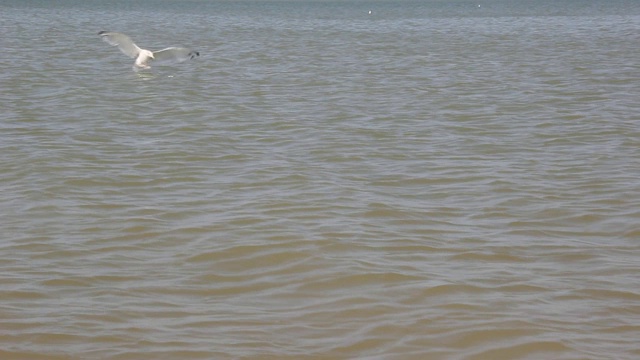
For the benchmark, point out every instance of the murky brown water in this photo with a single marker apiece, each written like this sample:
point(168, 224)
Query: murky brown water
point(426, 182)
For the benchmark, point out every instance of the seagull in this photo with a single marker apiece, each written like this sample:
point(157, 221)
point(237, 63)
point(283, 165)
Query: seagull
point(143, 56)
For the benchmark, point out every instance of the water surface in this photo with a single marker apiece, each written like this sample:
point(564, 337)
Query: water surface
point(434, 180)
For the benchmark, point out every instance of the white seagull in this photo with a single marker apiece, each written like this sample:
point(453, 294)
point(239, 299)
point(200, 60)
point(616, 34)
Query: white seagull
point(143, 56)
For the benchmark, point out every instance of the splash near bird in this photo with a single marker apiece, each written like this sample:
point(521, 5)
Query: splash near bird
point(144, 57)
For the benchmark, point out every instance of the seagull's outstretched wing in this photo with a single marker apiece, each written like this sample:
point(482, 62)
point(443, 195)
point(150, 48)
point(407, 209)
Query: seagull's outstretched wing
point(122, 41)
point(174, 54)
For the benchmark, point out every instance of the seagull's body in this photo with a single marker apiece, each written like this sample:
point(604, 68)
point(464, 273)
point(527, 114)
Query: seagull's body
point(143, 56)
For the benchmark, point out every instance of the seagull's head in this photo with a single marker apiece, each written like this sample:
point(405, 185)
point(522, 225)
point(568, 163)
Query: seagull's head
point(148, 54)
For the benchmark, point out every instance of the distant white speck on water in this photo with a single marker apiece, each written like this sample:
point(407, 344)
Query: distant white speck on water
point(369, 12)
